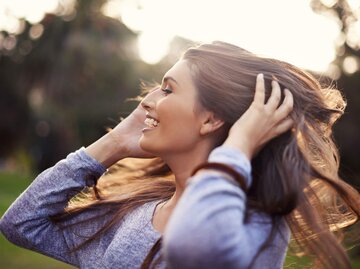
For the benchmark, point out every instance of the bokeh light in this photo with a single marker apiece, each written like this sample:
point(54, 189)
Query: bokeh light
point(298, 35)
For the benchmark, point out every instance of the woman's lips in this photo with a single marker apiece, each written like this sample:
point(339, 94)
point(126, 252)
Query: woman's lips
point(151, 123)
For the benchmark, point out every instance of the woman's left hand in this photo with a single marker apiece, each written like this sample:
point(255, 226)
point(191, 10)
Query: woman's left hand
point(261, 122)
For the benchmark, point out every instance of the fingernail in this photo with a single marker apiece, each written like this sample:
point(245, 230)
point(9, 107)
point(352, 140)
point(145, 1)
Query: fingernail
point(261, 75)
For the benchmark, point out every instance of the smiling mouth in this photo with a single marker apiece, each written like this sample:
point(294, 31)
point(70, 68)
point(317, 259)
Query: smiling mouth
point(152, 123)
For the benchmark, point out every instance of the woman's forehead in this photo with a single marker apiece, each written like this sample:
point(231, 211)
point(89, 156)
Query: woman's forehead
point(179, 73)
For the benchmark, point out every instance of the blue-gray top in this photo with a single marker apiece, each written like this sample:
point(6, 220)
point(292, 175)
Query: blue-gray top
point(206, 229)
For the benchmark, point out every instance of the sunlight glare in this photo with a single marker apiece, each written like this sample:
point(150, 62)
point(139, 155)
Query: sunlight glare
point(33, 11)
point(351, 64)
point(354, 4)
point(152, 50)
point(287, 30)
point(298, 35)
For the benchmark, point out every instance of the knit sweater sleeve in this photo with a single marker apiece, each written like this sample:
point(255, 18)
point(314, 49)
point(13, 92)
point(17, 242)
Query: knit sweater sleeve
point(207, 227)
point(27, 221)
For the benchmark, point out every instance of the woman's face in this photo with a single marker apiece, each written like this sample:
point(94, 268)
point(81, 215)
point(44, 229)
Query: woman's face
point(173, 105)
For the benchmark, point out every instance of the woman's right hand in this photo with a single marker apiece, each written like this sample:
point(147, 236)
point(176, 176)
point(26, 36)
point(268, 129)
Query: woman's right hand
point(127, 133)
point(122, 141)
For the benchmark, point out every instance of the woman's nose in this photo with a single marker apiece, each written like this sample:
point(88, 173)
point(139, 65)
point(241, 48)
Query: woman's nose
point(148, 103)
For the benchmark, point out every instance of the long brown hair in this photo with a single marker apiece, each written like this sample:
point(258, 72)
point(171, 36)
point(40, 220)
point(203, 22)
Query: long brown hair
point(295, 174)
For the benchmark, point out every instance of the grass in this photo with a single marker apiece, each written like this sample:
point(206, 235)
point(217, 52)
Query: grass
point(13, 257)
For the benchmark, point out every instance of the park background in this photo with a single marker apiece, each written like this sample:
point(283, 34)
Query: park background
point(67, 68)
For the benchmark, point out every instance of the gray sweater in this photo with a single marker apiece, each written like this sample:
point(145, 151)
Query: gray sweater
point(206, 229)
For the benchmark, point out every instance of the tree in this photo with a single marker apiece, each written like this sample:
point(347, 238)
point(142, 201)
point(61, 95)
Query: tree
point(347, 73)
point(63, 86)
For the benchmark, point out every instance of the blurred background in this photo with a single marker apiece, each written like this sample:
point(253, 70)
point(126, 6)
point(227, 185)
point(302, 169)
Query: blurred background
point(68, 66)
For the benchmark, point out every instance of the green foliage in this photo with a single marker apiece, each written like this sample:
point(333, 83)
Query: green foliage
point(60, 95)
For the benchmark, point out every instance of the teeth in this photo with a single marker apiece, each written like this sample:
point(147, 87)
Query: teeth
point(151, 122)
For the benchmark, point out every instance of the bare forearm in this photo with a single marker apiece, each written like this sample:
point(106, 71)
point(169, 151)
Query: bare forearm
point(106, 150)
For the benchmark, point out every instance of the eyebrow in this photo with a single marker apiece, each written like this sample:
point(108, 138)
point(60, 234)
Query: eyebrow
point(169, 78)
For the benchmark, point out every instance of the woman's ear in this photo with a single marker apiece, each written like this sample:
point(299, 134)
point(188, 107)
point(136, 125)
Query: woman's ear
point(210, 124)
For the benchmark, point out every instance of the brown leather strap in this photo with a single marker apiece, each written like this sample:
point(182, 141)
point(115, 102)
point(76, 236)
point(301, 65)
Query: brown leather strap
point(224, 168)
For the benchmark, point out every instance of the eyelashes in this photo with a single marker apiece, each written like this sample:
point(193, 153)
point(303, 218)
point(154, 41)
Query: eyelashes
point(166, 91)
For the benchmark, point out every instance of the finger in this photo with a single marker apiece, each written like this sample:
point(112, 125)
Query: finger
point(260, 89)
point(275, 97)
point(286, 107)
point(283, 126)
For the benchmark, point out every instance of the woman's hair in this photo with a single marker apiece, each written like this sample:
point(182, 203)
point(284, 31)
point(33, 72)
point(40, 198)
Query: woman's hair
point(295, 175)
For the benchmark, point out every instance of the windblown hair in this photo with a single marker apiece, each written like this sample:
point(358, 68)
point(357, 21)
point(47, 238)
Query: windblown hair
point(295, 175)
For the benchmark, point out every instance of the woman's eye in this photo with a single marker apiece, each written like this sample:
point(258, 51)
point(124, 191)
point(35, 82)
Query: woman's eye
point(166, 91)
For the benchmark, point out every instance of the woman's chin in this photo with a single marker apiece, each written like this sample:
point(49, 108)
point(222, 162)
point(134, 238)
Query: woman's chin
point(148, 146)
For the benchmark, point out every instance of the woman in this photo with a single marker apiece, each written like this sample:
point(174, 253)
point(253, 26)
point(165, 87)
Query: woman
point(201, 203)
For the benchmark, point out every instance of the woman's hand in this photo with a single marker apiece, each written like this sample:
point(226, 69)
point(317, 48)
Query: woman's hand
point(128, 132)
point(122, 141)
point(261, 122)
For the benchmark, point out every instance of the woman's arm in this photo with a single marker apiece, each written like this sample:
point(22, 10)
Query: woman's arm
point(27, 222)
point(207, 228)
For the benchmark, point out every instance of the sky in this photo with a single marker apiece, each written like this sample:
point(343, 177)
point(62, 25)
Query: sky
point(284, 29)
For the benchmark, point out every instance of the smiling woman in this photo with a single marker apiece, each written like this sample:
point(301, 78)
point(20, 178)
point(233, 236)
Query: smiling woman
point(173, 106)
point(217, 192)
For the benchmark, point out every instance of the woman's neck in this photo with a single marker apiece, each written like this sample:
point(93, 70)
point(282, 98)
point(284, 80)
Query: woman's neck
point(182, 165)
